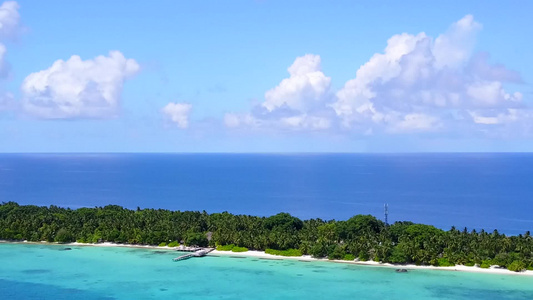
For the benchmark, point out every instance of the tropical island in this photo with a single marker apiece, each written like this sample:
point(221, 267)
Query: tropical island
point(362, 237)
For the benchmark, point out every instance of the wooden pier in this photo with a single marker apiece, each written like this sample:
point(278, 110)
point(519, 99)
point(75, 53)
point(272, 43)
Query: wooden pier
point(199, 252)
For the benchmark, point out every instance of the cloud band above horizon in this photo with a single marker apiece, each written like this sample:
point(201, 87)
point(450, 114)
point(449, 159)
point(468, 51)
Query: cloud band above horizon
point(419, 84)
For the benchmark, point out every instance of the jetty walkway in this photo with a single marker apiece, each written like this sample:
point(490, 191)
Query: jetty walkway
point(195, 252)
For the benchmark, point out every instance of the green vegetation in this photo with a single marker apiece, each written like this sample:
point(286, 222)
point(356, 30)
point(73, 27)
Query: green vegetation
point(225, 247)
point(517, 266)
point(349, 257)
point(173, 244)
point(361, 236)
point(288, 252)
point(239, 249)
point(196, 239)
point(444, 262)
point(63, 236)
point(231, 247)
point(163, 244)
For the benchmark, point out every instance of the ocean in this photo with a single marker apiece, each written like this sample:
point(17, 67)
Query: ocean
point(477, 191)
point(34, 271)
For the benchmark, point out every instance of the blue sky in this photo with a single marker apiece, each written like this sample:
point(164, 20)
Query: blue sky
point(265, 76)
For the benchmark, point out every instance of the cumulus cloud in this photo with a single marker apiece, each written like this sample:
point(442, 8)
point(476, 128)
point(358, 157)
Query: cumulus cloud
point(296, 103)
point(480, 68)
point(414, 122)
point(78, 88)
point(454, 48)
point(417, 84)
point(9, 28)
point(305, 88)
point(9, 19)
point(421, 83)
point(178, 113)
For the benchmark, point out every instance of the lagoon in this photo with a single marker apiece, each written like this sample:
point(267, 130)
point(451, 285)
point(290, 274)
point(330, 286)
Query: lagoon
point(44, 271)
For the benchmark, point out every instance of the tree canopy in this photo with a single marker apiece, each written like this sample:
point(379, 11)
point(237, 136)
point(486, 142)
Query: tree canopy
point(363, 236)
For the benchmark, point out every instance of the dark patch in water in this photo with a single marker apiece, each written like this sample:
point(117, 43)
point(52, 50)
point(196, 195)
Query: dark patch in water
point(319, 271)
point(23, 290)
point(401, 271)
point(244, 270)
point(472, 293)
point(161, 270)
point(163, 290)
point(299, 274)
point(36, 271)
point(315, 266)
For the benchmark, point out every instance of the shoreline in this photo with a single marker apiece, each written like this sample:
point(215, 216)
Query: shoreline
point(308, 258)
point(303, 258)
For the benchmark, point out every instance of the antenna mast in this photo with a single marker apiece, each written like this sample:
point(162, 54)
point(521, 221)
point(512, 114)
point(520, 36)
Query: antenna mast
point(386, 214)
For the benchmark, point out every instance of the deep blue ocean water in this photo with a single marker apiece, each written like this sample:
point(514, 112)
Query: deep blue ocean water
point(489, 191)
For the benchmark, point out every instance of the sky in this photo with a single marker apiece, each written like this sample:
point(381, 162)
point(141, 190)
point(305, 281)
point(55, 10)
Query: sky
point(266, 76)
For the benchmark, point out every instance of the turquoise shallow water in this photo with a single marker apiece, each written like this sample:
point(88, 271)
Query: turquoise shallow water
point(29, 271)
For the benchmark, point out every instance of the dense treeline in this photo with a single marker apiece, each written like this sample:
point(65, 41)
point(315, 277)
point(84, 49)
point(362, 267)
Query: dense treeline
point(362, 236)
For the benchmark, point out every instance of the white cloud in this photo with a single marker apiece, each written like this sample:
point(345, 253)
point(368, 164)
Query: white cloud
point(453, 48)
point(491, 94)
point(415, 122)
point(297, 122)
point(178, 113)
point(354, 99)
point(9, 28)
point(479, 66)
point(9, 19)
point(305, 88)
point(78, 88)
point(417, 84)
point(305, 121)
point(297, 103)
point(233, 120)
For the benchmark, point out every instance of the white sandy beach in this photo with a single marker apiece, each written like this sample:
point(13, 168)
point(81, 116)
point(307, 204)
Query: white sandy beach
point(261, 254)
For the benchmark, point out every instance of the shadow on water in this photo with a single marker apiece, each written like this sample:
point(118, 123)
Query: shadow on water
point(473, 293)
point(22, 290)
point(246, 271)
point(36, 271)
point(319, 271)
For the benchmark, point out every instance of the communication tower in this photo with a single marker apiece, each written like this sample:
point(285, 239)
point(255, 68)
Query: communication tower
point(386, 214)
